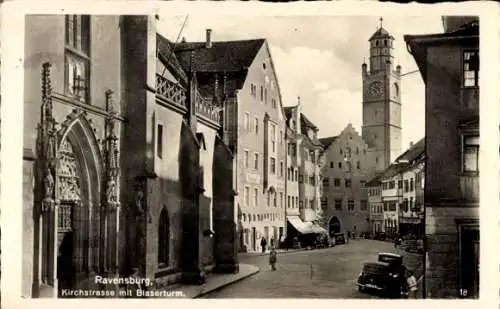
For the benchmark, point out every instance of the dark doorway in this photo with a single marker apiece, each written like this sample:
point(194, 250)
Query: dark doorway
point(65, 264)
point(469, 260)
point(334, 226)
point(254, 238)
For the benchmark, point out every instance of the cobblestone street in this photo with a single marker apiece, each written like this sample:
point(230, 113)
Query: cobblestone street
point(323, 273)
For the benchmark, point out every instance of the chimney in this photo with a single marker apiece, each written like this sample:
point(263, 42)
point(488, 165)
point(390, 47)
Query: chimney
point(208, 43)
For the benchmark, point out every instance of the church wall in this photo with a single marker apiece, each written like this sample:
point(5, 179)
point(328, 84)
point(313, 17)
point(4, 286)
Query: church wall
point(44, 42)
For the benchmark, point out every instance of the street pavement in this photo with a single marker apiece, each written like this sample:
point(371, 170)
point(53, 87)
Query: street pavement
point(320, 273)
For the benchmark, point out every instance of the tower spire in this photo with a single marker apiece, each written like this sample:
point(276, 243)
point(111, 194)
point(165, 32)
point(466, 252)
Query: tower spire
point(381, 20)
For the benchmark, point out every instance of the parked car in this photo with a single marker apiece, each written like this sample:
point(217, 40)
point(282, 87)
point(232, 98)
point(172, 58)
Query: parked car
point(386, 276)
point(340, 238)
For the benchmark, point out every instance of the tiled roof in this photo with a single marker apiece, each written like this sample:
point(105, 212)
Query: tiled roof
point(165, 52)
point(224, 56)
point(393, 170)
point(413, 152)
point(307, 123)
point(326, 141)
point(375, 181)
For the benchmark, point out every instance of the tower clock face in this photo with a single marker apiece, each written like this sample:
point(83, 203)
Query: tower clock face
point(375, 89)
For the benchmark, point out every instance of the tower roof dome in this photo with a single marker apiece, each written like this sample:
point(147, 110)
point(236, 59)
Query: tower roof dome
point(381, 33)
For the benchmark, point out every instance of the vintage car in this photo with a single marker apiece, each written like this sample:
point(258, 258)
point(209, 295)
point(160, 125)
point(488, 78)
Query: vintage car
point(339, 238)
point(387, 276)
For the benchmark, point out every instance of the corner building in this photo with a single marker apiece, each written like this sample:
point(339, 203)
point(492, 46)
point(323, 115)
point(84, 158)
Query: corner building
point(450, 70)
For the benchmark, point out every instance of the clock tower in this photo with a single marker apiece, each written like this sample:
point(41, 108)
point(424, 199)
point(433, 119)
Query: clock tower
point(382, 101)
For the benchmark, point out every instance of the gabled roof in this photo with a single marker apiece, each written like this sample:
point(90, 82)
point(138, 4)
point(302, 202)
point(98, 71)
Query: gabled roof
point(307, 123)
point(393, 170)
point(223, 56)
point(167, 56)
point(413, 152)
point(326, 141)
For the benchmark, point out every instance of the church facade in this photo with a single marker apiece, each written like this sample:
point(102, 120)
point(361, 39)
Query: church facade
point(351, 159)
point(125, 169)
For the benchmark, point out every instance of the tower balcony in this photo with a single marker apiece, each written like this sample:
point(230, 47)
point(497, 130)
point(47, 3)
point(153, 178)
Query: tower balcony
point(171, 92)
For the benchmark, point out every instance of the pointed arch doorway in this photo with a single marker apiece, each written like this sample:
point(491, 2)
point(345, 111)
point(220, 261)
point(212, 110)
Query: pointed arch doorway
point(78, 194)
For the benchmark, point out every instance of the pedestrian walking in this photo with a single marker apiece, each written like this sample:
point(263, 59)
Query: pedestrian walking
point(412, 283)
point(273, 258)
point(263, 244)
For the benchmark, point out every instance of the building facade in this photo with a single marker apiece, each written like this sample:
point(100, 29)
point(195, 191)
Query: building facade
point(254, 129)
point(345, 171)
point(450, 70)
point(303, 209)
point(123, 160)
point(402, 192)
point(375, 205)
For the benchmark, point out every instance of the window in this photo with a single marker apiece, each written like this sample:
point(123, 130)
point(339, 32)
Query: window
point(347, 183)
point(312, 180)
point(256, 125)
point(281, 137)
point(364, 205)
point(247, 121)
point(411, 185)
point(336, 182)
point(392, 206)
point(311, 204)
point(261, 93)
point(324, 202)
point(245, 159)
point(350, 205)
point(326, 182)
point(273, 102)
point(391, 184)
point(253, 90)
point(301, 178)
point(471, 68)
point(281, 199)
point(331, 164)
point(348, 166)
point(255, 197)
point(407, 186)
point(405, 205)
point(159, 141)
point(163, 239)
point(268, 198)
point(265, 95)
point(288, 202)
point(246, 196)
point(340, 164)
point(296, 175)
point(273, 166)
point(338, 204)
point(281, 168)
point(471, 153)
point(77, 57)
point(275, 199)
point(358, 165)
point(385, 206)
point(256, 161)
point(400, 184)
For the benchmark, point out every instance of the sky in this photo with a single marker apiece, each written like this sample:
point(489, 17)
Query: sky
point(319, 59)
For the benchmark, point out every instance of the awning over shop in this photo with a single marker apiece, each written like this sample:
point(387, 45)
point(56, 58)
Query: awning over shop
point(305, 227)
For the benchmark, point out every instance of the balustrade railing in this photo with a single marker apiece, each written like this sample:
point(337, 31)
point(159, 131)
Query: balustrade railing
point(170, 91)
point(206, 107)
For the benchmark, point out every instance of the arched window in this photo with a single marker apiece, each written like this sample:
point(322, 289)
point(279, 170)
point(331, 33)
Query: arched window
point(163, 239)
